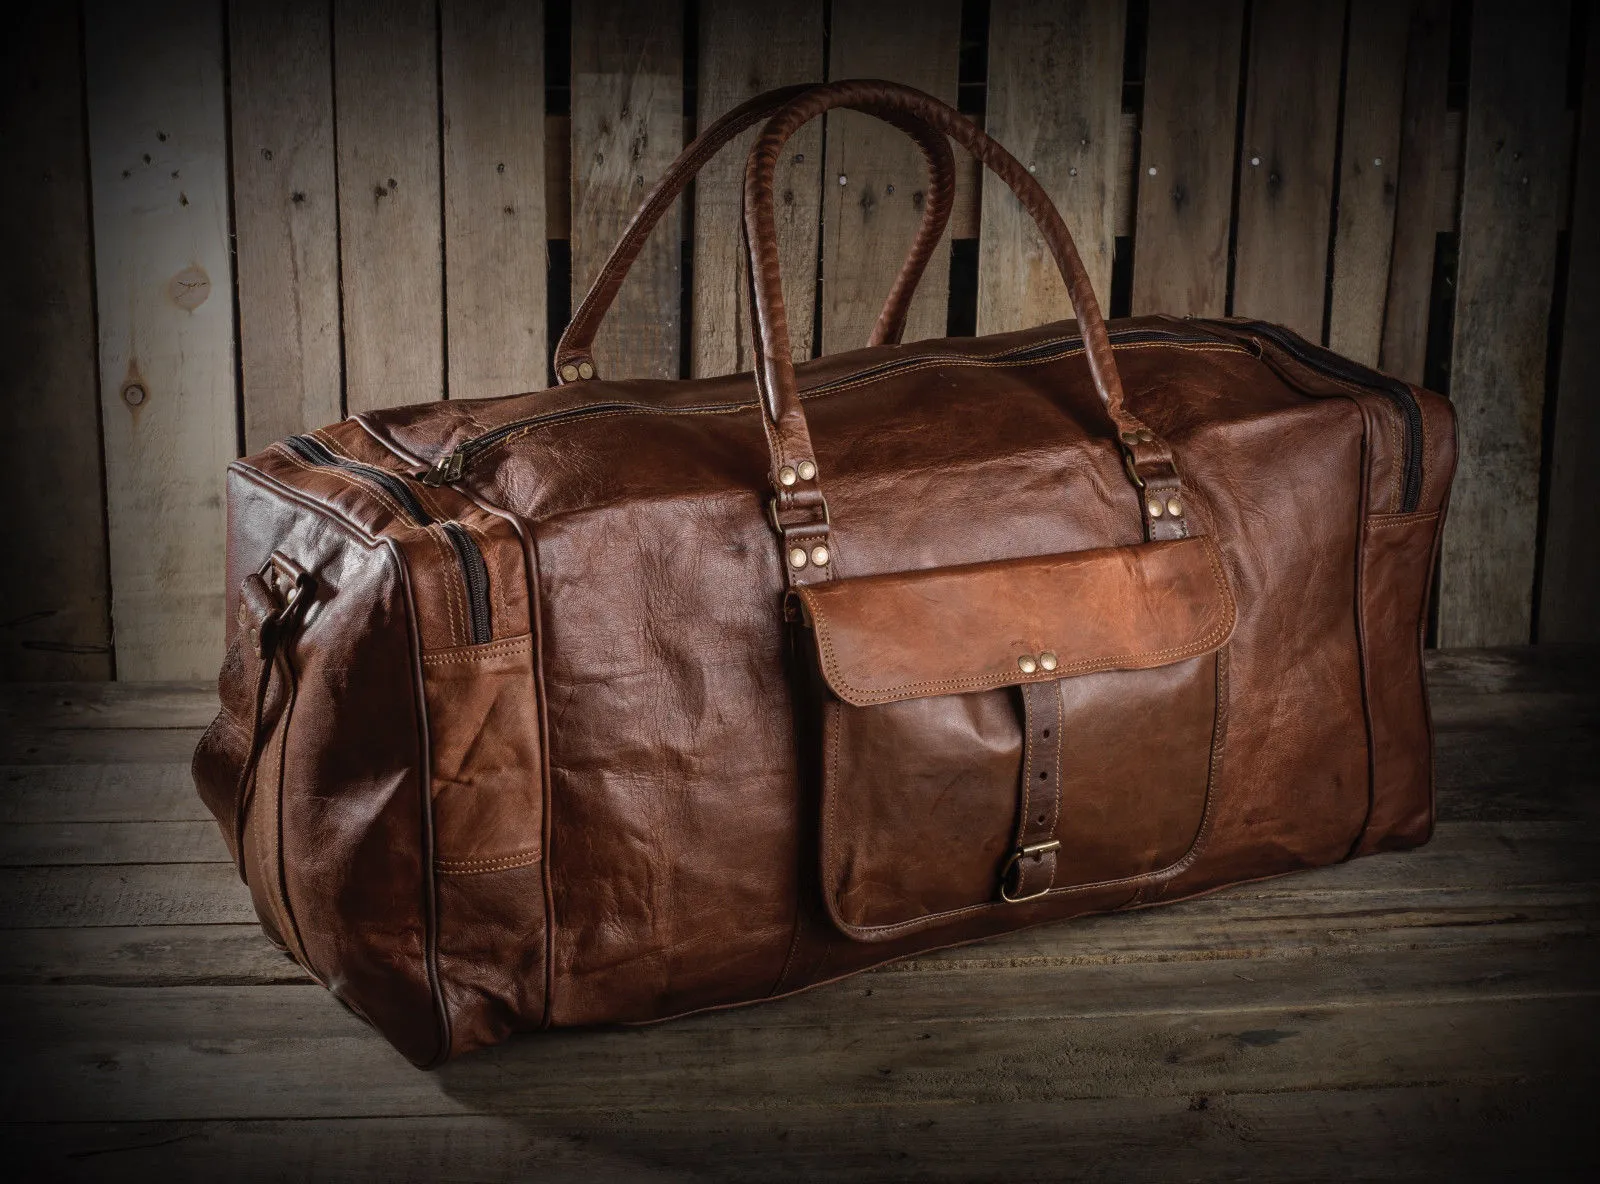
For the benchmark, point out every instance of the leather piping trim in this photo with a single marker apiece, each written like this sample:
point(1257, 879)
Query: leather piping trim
point(430, 888)
point(864, 697)
point(1140, 882)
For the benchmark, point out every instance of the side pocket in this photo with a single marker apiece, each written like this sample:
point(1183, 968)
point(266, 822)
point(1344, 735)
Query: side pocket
point(1397, 571)
point(488, 823)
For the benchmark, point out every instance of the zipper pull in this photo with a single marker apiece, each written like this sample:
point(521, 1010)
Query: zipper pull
point(446, 469)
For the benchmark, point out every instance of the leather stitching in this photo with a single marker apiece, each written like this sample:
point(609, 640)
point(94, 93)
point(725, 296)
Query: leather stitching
point(1385, 521)
point(473, 867)
point(479, 653)
point(861, 696)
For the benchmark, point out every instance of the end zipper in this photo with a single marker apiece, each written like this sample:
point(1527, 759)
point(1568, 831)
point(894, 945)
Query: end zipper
point(446, 469)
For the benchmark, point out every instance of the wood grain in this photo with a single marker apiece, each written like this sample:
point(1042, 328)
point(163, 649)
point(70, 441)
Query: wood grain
point(55, 621)
point(1374, 92)
point(1514, 169)
point(1191, 100)
point(387, 92)
point(492, 55)
point(1422, 188)
point(746, 47)
point(875, 178)
point(286, 216)
point(1571, 564)
point(627, 127)
point(1286, 164)
point(158, 159)
point(1055, 100)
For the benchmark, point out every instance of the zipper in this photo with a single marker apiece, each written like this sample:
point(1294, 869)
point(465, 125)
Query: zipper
point(449, 467)
point(474, 571)
point(1327, 362)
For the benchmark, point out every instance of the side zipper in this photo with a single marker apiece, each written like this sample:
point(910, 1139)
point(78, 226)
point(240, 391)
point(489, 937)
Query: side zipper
point(1325, 361)
point(469, 557)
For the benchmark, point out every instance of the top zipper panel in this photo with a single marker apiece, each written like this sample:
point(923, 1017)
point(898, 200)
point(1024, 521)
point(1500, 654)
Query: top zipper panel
point(451, 465)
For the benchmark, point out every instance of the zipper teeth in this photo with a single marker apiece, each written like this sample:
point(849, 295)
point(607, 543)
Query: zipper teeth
point(314, 451)
point(1331, 363)
point(475, 573)
point(1029, 353)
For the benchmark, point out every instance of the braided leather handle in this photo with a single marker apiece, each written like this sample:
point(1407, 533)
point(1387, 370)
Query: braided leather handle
point(574, 357)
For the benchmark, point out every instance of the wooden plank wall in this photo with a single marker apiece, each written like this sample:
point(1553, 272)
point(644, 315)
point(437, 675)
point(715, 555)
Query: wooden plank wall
point(234, 221)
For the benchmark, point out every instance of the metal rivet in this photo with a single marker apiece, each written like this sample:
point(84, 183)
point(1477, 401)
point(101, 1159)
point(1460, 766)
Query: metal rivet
point(569, 373)
point(1174, 507)
point(1146, 435)
point(787, 475)
point(585, 369)
point(244, 616)
point(1255, 162)
point(1130, 437)
point(1152, 170)
point(807, 470)
point(843, 180)
point(819, 556)
point(1026, 664)
point(797, 558)
point(1047, 660)
point(1153, 507)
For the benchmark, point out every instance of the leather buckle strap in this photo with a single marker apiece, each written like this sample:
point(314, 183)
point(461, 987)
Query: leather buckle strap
point(1031, 870)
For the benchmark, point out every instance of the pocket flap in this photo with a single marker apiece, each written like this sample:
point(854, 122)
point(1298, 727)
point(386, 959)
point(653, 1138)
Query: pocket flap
point(909, 635)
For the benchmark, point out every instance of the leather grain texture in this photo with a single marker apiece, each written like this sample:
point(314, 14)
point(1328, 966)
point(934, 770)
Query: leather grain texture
point(630, 699)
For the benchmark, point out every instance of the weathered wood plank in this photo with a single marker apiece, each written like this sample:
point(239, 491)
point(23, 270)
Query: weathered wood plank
point(1055, 100)
point(32, 794)
point(1374, 91)
point(158, 158)
point(55, 623)
point(58, 844)
point(1417, 1133)
point(1514, 168)
point(875, 179)
point(130, 894)
point(386, 88)
point(97, 746)
point(1571, 563)
point(492, 55)
point(286, 216)
point(746, 47)
point(189, 704)
point(1286, 163)
point(1191, 96)
point(1422, 184)
point(288, 1051)
point(627, 127)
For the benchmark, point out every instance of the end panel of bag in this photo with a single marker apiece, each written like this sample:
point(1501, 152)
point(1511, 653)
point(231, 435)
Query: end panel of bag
point(348, 778)
point(1399, 552)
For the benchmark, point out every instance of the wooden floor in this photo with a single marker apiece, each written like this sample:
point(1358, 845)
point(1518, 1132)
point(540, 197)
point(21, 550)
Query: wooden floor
point(1428, 1016)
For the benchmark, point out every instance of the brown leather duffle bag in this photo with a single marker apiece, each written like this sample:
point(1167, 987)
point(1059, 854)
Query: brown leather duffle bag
point(630, 699)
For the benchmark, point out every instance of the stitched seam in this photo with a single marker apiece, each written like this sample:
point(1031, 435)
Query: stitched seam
point(447, 557)
point(984, 681)
point(1385, 521)
point(421, 495)
point(755, 404)
point(350, 481)
point(498, 649)
point(468, 867)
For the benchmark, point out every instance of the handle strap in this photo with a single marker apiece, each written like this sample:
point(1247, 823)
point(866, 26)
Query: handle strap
point(799, 510)
point(574, 357)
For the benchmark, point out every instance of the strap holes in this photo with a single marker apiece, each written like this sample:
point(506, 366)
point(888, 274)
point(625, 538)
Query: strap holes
point(1044, 776)
point(1045, 734)
point(1041, 819)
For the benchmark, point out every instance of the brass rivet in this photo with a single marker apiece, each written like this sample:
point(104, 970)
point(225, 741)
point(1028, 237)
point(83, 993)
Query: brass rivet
point(1130, 437)
point(1153, 506)
point(1047, 660)
point(786, 475)
point(244, 616)
point(797, 558)
point(1026, 664)
point(569, 373)
point(1174, 507)
point(819, 556)
point(1145, 435)
point(807, 470)
point(585, 369)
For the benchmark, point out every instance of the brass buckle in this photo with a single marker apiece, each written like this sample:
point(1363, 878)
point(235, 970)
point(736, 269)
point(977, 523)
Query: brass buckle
point(1127, 463)
point(1032, 851)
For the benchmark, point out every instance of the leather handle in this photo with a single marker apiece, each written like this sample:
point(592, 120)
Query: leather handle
point(799, 510)
point(574, 356)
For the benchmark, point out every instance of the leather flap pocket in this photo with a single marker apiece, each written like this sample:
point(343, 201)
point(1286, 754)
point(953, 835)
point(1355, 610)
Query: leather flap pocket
point(955, 630)
point(1015, 731)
